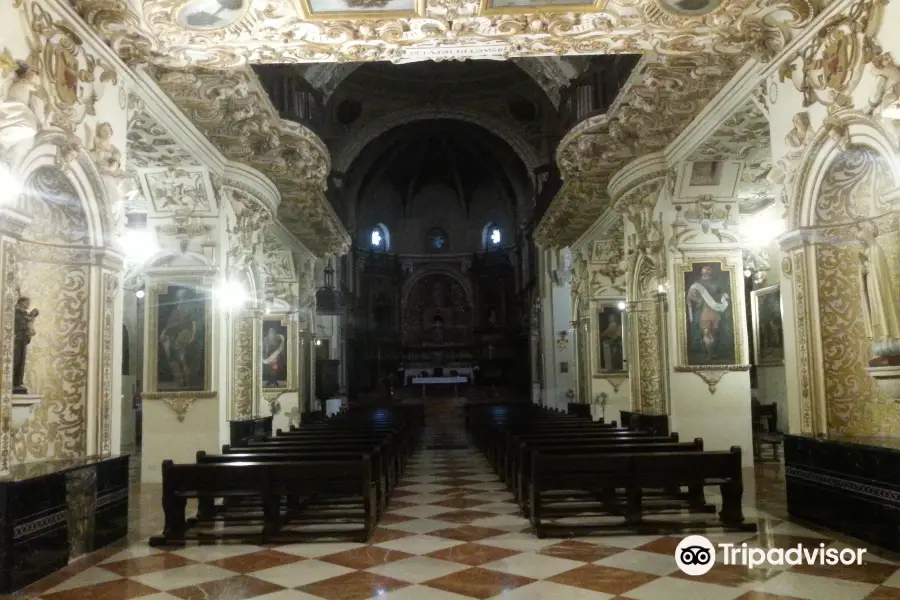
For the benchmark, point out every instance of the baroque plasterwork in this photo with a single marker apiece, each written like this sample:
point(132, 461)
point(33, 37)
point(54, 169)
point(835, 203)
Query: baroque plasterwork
point(275, 31)
point(178, 189)
point(738, 137)
point(150, 144)
point(235, 114)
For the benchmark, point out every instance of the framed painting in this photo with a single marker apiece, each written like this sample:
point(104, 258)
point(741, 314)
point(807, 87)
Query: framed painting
point(181, 329)
point(708, 327)
point(278, 359)
point(362, 9)
point(611, 332)
point(508, 7)
point(768, 333)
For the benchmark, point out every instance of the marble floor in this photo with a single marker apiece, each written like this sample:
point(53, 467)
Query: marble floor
point(451, 532)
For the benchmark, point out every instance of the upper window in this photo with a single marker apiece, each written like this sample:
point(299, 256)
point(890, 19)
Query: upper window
point(379, 238)
point(492, 236)
point(437, 239)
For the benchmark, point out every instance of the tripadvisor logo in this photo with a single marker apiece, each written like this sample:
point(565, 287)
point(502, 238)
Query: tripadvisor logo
point(696, 555)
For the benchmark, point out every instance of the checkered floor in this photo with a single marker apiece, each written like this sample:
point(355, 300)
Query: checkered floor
point(452, 532)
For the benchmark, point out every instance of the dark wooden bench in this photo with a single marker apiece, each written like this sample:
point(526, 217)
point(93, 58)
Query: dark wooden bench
point(379, 479)
point(636, 445)
point(272, 482)
point(634, 472)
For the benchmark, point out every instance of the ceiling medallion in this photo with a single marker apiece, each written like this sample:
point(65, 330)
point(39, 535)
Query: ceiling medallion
point(209, 15)
point(690, 7)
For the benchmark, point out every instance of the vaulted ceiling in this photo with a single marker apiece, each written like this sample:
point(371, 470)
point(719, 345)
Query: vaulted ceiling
point(223, 33)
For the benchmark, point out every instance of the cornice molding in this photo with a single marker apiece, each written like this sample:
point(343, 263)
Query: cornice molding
point(637, 172)
point(741, 87)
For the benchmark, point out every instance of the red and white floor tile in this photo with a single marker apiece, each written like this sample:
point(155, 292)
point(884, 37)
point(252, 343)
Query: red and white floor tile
point(451, 533)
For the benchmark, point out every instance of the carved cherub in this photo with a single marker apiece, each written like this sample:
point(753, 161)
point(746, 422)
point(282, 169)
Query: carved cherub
point(106, 156)
point(796, 139)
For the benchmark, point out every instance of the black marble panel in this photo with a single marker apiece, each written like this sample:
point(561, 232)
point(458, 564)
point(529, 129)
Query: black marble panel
point(58, 513)
point(846, 484)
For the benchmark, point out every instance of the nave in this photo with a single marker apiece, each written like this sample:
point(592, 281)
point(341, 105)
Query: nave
point(452, 530)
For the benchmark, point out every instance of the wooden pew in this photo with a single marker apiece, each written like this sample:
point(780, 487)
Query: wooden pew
point(635, 472)
point(270, 481)
point(527, 449)
point(234, 455)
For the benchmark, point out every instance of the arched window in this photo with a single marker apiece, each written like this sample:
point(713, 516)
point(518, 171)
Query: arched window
point(437, 240)
point(380, 238)
point(492, 236)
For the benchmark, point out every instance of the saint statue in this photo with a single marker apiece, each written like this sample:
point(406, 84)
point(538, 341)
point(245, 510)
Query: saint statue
point(881, 302)
point(707, 302)
point(24, 331)
point(437, 329)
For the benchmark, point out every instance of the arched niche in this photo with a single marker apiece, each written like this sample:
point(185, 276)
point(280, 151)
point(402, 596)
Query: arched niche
point(60, 263)
point(839, 203)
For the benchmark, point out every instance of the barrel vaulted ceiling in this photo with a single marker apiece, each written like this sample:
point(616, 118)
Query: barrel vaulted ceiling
point(691, 49)
point(223, 33)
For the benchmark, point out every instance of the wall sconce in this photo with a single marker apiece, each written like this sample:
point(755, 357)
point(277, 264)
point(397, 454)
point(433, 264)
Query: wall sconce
point(622, 306)
point(563, 341)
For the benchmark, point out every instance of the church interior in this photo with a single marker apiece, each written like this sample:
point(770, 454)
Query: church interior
point(449, 299)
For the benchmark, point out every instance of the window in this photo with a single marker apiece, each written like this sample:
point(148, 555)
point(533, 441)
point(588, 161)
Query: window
point(437, 239)
point(379, 238)
point(492, 236)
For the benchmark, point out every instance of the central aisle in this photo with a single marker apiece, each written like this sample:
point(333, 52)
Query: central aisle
point(452, 533)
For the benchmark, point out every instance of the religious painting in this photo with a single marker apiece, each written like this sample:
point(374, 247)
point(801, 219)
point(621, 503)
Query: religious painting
point(708, 323)
point(63, 73)
point(706, 173)
point(611, 328)
point(531, 6)
point(182, 313)
point(360, 8)
point(275, 348)
point(211, 14)
point(768, 334)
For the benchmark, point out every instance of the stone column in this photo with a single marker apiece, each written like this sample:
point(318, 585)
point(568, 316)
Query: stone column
point(246, 384)
point(104, 374)
point(12, 224)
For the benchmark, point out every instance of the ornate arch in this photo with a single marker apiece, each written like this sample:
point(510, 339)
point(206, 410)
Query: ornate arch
point(50, 151)
point(827, 145)
point(344, 156)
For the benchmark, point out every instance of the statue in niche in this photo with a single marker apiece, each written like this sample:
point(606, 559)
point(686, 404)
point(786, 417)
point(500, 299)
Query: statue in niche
point(880, 301)
point(24, 331)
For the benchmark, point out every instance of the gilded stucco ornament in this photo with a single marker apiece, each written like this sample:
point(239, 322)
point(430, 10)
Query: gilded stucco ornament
point(828, 69)
point(712, 375)
point(73, 79)
point(276, 31)
point(235, 114)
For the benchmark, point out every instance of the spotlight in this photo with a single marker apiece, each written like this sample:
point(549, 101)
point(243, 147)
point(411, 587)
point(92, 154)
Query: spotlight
point(661, 289)
point(139, 246)
point(318, 342)
point(140, 294)
point(232, 295)
point(747, 272)
point(621, 306)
